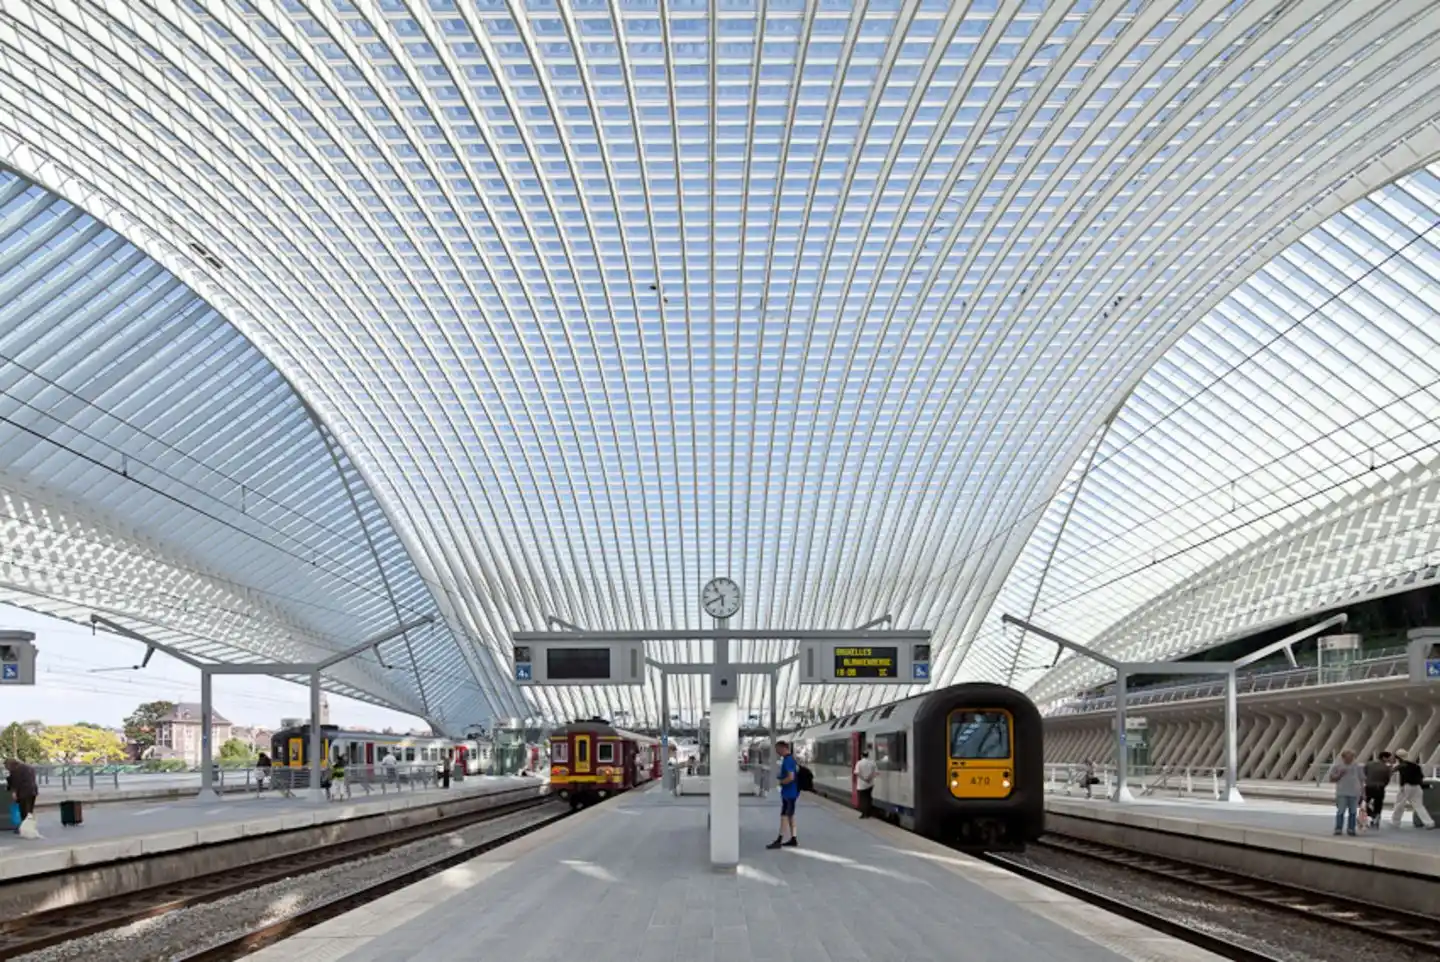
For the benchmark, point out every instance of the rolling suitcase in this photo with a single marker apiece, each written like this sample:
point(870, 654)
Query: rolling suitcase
point(71, 813)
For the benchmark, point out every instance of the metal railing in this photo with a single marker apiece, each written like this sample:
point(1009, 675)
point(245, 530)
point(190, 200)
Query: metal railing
point(1381, 664)
point(366, 780)
point(1068, 778)
point(1143, 780)
point(117, 778)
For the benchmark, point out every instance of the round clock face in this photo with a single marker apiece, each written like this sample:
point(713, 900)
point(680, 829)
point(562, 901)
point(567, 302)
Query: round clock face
point(721, 598)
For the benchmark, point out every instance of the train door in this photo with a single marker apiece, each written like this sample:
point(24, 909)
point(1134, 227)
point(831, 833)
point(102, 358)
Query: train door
point(296, 756)
point(857, 745)
point(369, 754)
point(582, 754)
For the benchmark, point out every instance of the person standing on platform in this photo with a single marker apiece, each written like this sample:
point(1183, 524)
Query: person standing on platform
point(22, 785)
point(1349, 781)
point(865, 782)
point(1412, 780)
point(789, 782)
point(1377, 779)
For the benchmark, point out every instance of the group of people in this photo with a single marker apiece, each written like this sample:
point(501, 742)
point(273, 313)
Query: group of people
point(1360, 790)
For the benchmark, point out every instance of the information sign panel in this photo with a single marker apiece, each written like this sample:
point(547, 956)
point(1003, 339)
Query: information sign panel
point(17, 658)
point(866, 662)
point(579, 662)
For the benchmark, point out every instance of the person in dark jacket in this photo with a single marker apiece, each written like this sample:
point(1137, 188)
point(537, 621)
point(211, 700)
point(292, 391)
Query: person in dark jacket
point(1412, 781)
point(1377, 779)
point(21, 784)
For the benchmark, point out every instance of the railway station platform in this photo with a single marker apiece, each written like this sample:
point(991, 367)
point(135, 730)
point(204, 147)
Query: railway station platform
point(630, 881)
point(122, 832)
point(1288, 841)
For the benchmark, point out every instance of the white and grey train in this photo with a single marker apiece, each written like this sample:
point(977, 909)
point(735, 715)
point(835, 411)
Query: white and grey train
point(963, 764)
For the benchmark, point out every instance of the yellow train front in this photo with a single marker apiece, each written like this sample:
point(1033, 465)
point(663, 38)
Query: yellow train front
point(592, 760)
point(964, 764)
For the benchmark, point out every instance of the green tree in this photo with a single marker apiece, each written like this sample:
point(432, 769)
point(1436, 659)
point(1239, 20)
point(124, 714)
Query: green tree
point(234, 750)
point(82, 746)
point(140, 724)
point(17, 741)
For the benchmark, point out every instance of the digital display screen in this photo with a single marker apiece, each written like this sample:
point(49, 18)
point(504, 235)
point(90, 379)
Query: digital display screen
point(865, 663)
point(577, 664)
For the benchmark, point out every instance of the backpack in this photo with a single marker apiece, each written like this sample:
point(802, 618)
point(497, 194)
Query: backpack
point(805, 778)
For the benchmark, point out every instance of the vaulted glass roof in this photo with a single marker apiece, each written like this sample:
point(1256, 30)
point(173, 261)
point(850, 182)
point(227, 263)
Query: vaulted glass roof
point(1281, 459)
point(605, 298)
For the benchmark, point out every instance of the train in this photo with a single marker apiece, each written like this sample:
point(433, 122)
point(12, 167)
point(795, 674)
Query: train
point(290, 749)
point(963, 765)
point(593, 760)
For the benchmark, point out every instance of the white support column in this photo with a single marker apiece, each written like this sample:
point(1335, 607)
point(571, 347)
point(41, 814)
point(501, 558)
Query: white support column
point(1232, 721)
point(1122, 784)
point(315, 792)
point(207, 739)
point(724, 760)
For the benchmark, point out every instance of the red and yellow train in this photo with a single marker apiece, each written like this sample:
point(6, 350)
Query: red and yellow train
point(592, 760)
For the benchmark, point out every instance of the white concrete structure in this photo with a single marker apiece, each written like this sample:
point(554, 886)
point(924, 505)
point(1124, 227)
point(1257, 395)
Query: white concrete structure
point(1284, 733)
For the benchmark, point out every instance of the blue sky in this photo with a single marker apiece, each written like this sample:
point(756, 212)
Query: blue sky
point(69, 689)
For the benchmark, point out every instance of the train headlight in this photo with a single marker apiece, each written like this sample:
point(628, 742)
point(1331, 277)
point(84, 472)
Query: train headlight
point(1005, 783)
point(954, 783)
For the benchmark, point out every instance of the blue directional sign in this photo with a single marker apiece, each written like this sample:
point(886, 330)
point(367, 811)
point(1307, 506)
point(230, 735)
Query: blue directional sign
point(12, 672)
point(921, 670)
point(522, 672)
point(1432, 668)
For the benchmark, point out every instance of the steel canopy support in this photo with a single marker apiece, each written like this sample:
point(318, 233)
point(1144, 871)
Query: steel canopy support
point(314, 670)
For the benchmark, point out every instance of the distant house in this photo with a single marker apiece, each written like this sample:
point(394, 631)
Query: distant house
point(257, 737)
point(177, 735)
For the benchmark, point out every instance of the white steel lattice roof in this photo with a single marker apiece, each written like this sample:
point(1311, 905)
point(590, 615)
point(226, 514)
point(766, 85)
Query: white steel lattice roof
point(605, 298)
point(1306, 403)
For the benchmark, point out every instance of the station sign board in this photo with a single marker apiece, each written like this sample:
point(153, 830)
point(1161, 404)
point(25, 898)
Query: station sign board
point(864, 662)
point(578, 662)
point(17, 658)
point(1423, 647)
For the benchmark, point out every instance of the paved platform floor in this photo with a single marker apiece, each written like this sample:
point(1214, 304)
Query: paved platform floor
point(1293, 828)
point(1299, 818)
point(125, 830)
point(630, 881)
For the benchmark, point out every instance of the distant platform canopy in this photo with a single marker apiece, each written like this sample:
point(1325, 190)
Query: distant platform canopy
point(317, 317)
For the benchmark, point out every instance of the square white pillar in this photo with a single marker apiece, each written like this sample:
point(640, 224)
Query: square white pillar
point(724, 784)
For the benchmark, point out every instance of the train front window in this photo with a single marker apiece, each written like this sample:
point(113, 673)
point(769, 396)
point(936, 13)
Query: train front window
point(605, 753)
point(980, 734)
point(559, 752)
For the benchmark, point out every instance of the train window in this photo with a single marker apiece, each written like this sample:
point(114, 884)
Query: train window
point(582, 751)
point(409, 754)
point(887, 711)
point(605, 753)
point(890, 752)
point(559, 752)
point(980, 734)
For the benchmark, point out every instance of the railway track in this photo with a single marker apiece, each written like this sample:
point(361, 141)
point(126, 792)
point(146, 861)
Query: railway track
point(1417, 931)
point(29, 933)
point(1157, 921)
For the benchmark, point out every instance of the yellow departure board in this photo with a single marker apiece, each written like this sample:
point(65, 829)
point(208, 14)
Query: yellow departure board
point(866, 663)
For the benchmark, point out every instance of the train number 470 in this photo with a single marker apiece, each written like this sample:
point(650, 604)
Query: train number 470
point(979, 779)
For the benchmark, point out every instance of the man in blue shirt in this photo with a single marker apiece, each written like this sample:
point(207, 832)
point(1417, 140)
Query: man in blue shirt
point(789, 781)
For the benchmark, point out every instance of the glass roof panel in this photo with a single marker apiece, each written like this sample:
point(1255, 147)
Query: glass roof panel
point(602, 299)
